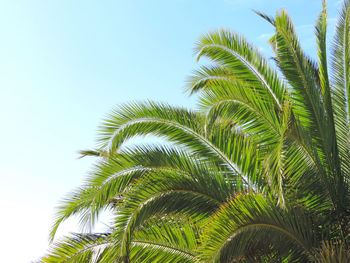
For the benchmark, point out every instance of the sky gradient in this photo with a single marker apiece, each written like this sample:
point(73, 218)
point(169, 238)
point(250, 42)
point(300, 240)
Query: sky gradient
point(65, 64)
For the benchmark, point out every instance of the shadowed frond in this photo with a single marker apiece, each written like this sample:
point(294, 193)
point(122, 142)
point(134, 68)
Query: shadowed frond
point(248, 220)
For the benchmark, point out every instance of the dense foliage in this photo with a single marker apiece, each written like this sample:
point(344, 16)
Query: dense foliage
point(260, 172)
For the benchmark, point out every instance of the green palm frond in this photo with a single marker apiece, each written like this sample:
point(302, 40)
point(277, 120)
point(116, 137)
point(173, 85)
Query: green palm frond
point(307, 99)
point(260, 172)
point(165, 239)
point(139, 119)
point(196, 196)
point(300, 75)
point(248, 220)
point(112, 177)
point(236, 55)
point(79, 248)
point(242, 106)
point(341, 91)
point(341, 57)
point(321, 31)
point(160, 239)
point(181, 127)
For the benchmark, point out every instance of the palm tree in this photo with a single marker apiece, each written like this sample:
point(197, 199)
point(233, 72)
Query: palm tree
point(260, 172)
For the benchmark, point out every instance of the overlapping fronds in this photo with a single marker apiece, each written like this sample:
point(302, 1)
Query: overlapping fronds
point(111, 178)
point(252, 220)
point(196, 196)
point(79, 248)
point(260, 172)
point(332, 252)
point(160, 239)
point(235, 55)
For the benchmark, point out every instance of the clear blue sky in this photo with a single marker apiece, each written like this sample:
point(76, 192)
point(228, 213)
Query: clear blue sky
point(65, 64)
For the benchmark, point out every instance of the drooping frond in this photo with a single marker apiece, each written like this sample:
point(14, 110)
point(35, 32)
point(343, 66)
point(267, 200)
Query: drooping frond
point(259, 173)
point(112, 177)
point(160, 239)
point(165, 239)
point(197, 196)
point(181, 127)
point(252, 220)
point(242, 106)
point(236, 56)
point(79, 248)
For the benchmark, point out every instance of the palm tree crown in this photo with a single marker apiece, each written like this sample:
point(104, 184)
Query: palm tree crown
point(260, 172)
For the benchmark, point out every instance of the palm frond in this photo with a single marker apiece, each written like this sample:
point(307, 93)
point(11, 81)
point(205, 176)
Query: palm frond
point(249, 220)
point(341, 91)
point(196, 196)
point(181, 127)
point(332, 252)
point(78, 248)
point(233, 53)
point(112, 177)
point(259, 173)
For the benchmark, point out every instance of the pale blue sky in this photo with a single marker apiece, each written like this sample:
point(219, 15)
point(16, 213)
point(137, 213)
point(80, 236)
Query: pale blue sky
point(65, 64)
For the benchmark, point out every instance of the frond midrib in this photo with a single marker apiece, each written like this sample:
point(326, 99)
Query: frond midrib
point(250, 66)
point(195, 134)
point(240, 229)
